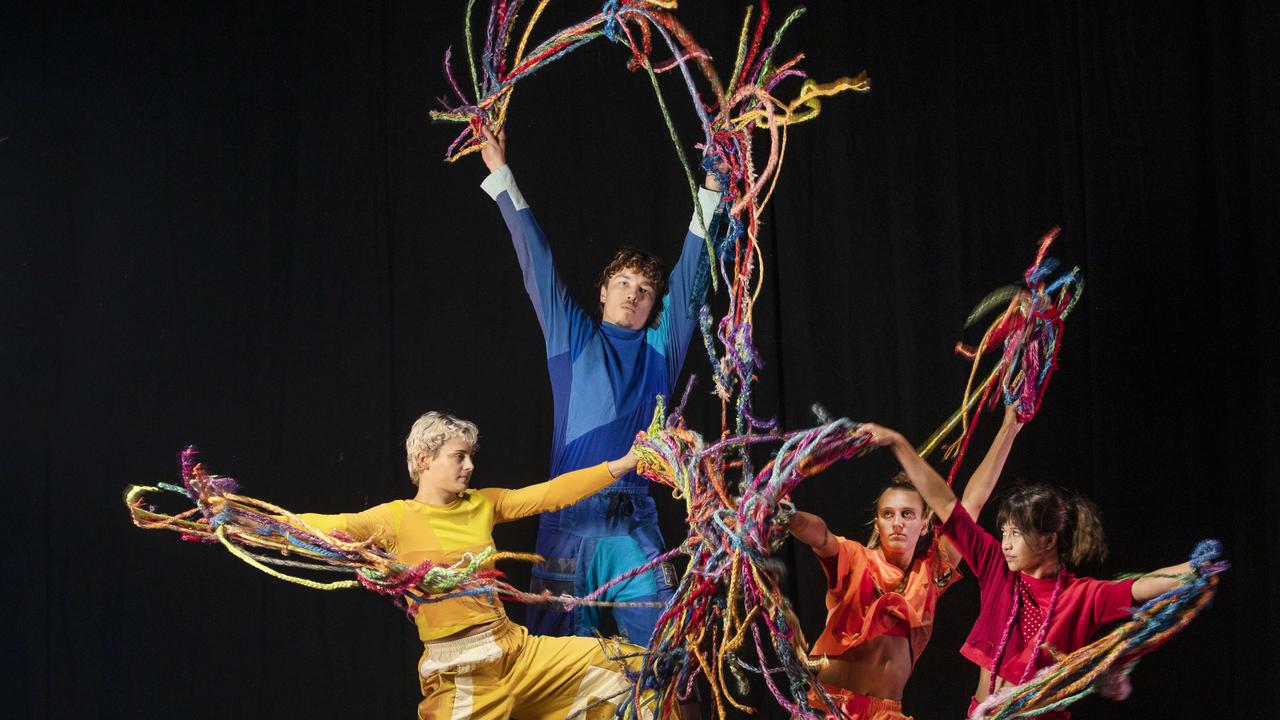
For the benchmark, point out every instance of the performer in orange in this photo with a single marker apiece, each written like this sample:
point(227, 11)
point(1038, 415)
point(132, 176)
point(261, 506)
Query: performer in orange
point(881, 596)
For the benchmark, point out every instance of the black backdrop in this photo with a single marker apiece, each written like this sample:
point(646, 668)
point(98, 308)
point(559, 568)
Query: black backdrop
point(228, 223)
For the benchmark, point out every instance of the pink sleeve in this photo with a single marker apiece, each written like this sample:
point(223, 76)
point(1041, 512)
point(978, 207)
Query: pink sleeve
point(1112, 601)
point(976, 545)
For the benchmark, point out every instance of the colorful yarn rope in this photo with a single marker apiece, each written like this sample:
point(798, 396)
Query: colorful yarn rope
point(1030, 330)
point(729, 617)
point(729, 600)
point(745, 103)
point(1020, 589)
point(1105, 664)
point(266, 536)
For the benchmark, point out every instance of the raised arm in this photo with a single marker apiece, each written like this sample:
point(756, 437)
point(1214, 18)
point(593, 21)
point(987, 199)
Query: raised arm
point(563, 322)
point(926, 480)
point(560, 491)
point(1159, 582)
point(812, 531)
point(677, 321)
point(983, 481)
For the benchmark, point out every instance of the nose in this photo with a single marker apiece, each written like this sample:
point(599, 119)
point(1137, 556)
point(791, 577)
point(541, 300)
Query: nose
point(468, 465)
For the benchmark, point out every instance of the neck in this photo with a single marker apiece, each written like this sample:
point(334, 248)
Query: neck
point(433, 496)
point(902, 560)
point(1047, 569)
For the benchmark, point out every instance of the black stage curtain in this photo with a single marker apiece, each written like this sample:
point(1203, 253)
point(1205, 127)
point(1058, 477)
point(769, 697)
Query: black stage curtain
point(228, 224)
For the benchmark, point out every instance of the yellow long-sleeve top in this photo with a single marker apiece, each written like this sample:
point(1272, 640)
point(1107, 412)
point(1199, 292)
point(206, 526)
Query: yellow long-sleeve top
point(414, 532)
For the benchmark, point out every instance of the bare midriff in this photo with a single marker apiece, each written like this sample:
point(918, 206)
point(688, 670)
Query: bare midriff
point(984, 681)
point(878, 667)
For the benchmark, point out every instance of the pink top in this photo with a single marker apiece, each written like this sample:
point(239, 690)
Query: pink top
point(1084, 605)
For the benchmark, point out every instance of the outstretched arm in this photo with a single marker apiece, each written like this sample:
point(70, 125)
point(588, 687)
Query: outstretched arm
point(812, 531)
point(983, 481)
point(1159, 582)
point(935, 491)
point(558, 492)
point(379, 522)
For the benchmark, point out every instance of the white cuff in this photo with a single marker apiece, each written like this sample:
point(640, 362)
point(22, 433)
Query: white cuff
point(708, 200)
point(501, 180)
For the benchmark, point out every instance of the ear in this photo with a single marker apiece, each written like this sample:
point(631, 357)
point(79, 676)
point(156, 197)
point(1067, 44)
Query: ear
point(602, 293)
point(1051, 542)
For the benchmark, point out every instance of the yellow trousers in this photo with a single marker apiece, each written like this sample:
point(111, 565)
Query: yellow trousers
point(507, 673)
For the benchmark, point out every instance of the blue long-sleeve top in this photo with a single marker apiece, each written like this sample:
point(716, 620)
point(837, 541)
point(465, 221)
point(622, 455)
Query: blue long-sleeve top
point(604, 378)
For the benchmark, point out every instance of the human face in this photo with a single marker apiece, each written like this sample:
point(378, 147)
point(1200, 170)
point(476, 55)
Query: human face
point(443, 477)
point(1027, 553)
point(627, 299)
point(899, 521)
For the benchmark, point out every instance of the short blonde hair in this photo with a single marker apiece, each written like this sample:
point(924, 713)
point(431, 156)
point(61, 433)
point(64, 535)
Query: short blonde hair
point(433, 430)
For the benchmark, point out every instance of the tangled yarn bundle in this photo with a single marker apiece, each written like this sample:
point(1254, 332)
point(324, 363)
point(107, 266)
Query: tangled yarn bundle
point(731, 590)
point(746, 102)
point(729, 602)
point(1107, 662)
point(1030, 332)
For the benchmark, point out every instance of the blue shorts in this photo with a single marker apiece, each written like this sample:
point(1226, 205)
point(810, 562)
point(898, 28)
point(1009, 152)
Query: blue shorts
point(591, 542)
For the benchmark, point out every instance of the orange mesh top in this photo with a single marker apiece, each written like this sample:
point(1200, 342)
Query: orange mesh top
point(867, 598)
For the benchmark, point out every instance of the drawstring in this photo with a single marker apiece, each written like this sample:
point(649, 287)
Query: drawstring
point(620, 506)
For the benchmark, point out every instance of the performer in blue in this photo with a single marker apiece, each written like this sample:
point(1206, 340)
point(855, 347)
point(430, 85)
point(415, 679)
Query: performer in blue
point(605, 376)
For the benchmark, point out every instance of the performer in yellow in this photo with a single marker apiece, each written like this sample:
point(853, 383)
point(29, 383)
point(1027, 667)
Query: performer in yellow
point(477, 664)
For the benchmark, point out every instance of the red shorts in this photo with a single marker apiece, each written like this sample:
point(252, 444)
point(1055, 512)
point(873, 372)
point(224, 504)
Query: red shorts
point(856, 705)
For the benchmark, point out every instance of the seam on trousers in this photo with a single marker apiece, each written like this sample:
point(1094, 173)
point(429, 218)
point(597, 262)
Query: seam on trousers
point(463, 698)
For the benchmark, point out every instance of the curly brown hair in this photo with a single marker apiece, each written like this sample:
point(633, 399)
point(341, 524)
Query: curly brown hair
point(645, 263)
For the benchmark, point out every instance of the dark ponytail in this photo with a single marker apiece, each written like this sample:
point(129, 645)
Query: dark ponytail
point(1087, 539)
